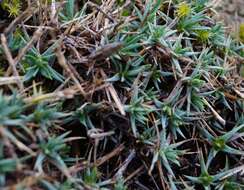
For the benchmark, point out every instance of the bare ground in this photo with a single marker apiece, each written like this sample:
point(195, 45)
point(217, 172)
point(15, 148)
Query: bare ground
point(232, 13)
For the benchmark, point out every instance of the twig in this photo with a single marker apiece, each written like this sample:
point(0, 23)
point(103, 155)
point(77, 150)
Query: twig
point(53, 9)
point(35, 37)
point(241, 95)
point(161, 174)
point(67, 94)
point(122, 169)
point(134, 173)
point(99, 162)
point(217, 116)
point(115, 96)
point(19, 144)
point(11, 61)
point(102, 11)
point(9, 80)
point(110, 155)
point(63, 63)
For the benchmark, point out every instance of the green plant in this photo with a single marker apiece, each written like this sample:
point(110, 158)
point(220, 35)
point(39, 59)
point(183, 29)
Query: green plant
point(69, 13)
point(183, 10)
point(52, 150)
point(39, 64)
point(12, 6)
point(119, 95)
point(120, 185)
point(168, 153)
point(219, 143)
point(241, 32)
point(138, 111)
point(207, 180)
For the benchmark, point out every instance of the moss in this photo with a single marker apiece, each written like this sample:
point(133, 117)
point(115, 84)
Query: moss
point(203, 35)
point(206, 179)
point(12, 6)
point(241, 32)
point(218, 144)
point(183, 10)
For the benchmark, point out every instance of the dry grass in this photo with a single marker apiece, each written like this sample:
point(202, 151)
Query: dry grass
point(119, 94)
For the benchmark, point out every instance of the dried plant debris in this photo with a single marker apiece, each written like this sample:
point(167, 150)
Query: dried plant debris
point(119, 94)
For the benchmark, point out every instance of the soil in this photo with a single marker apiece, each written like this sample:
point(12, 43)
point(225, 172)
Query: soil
point(232, 13)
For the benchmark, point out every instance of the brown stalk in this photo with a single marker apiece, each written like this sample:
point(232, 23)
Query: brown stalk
point(215, 113)
point(10, 80)
point(115, 96)
point(62, 62)
point(99, 161)
point(35, 37)
point(125, 164)
point(133, 174)
point(102, 11)
point(11, 61)
point(161, 174)
point(23, 51)
point(19, 144)
point(65, 94)
point(110, 155)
